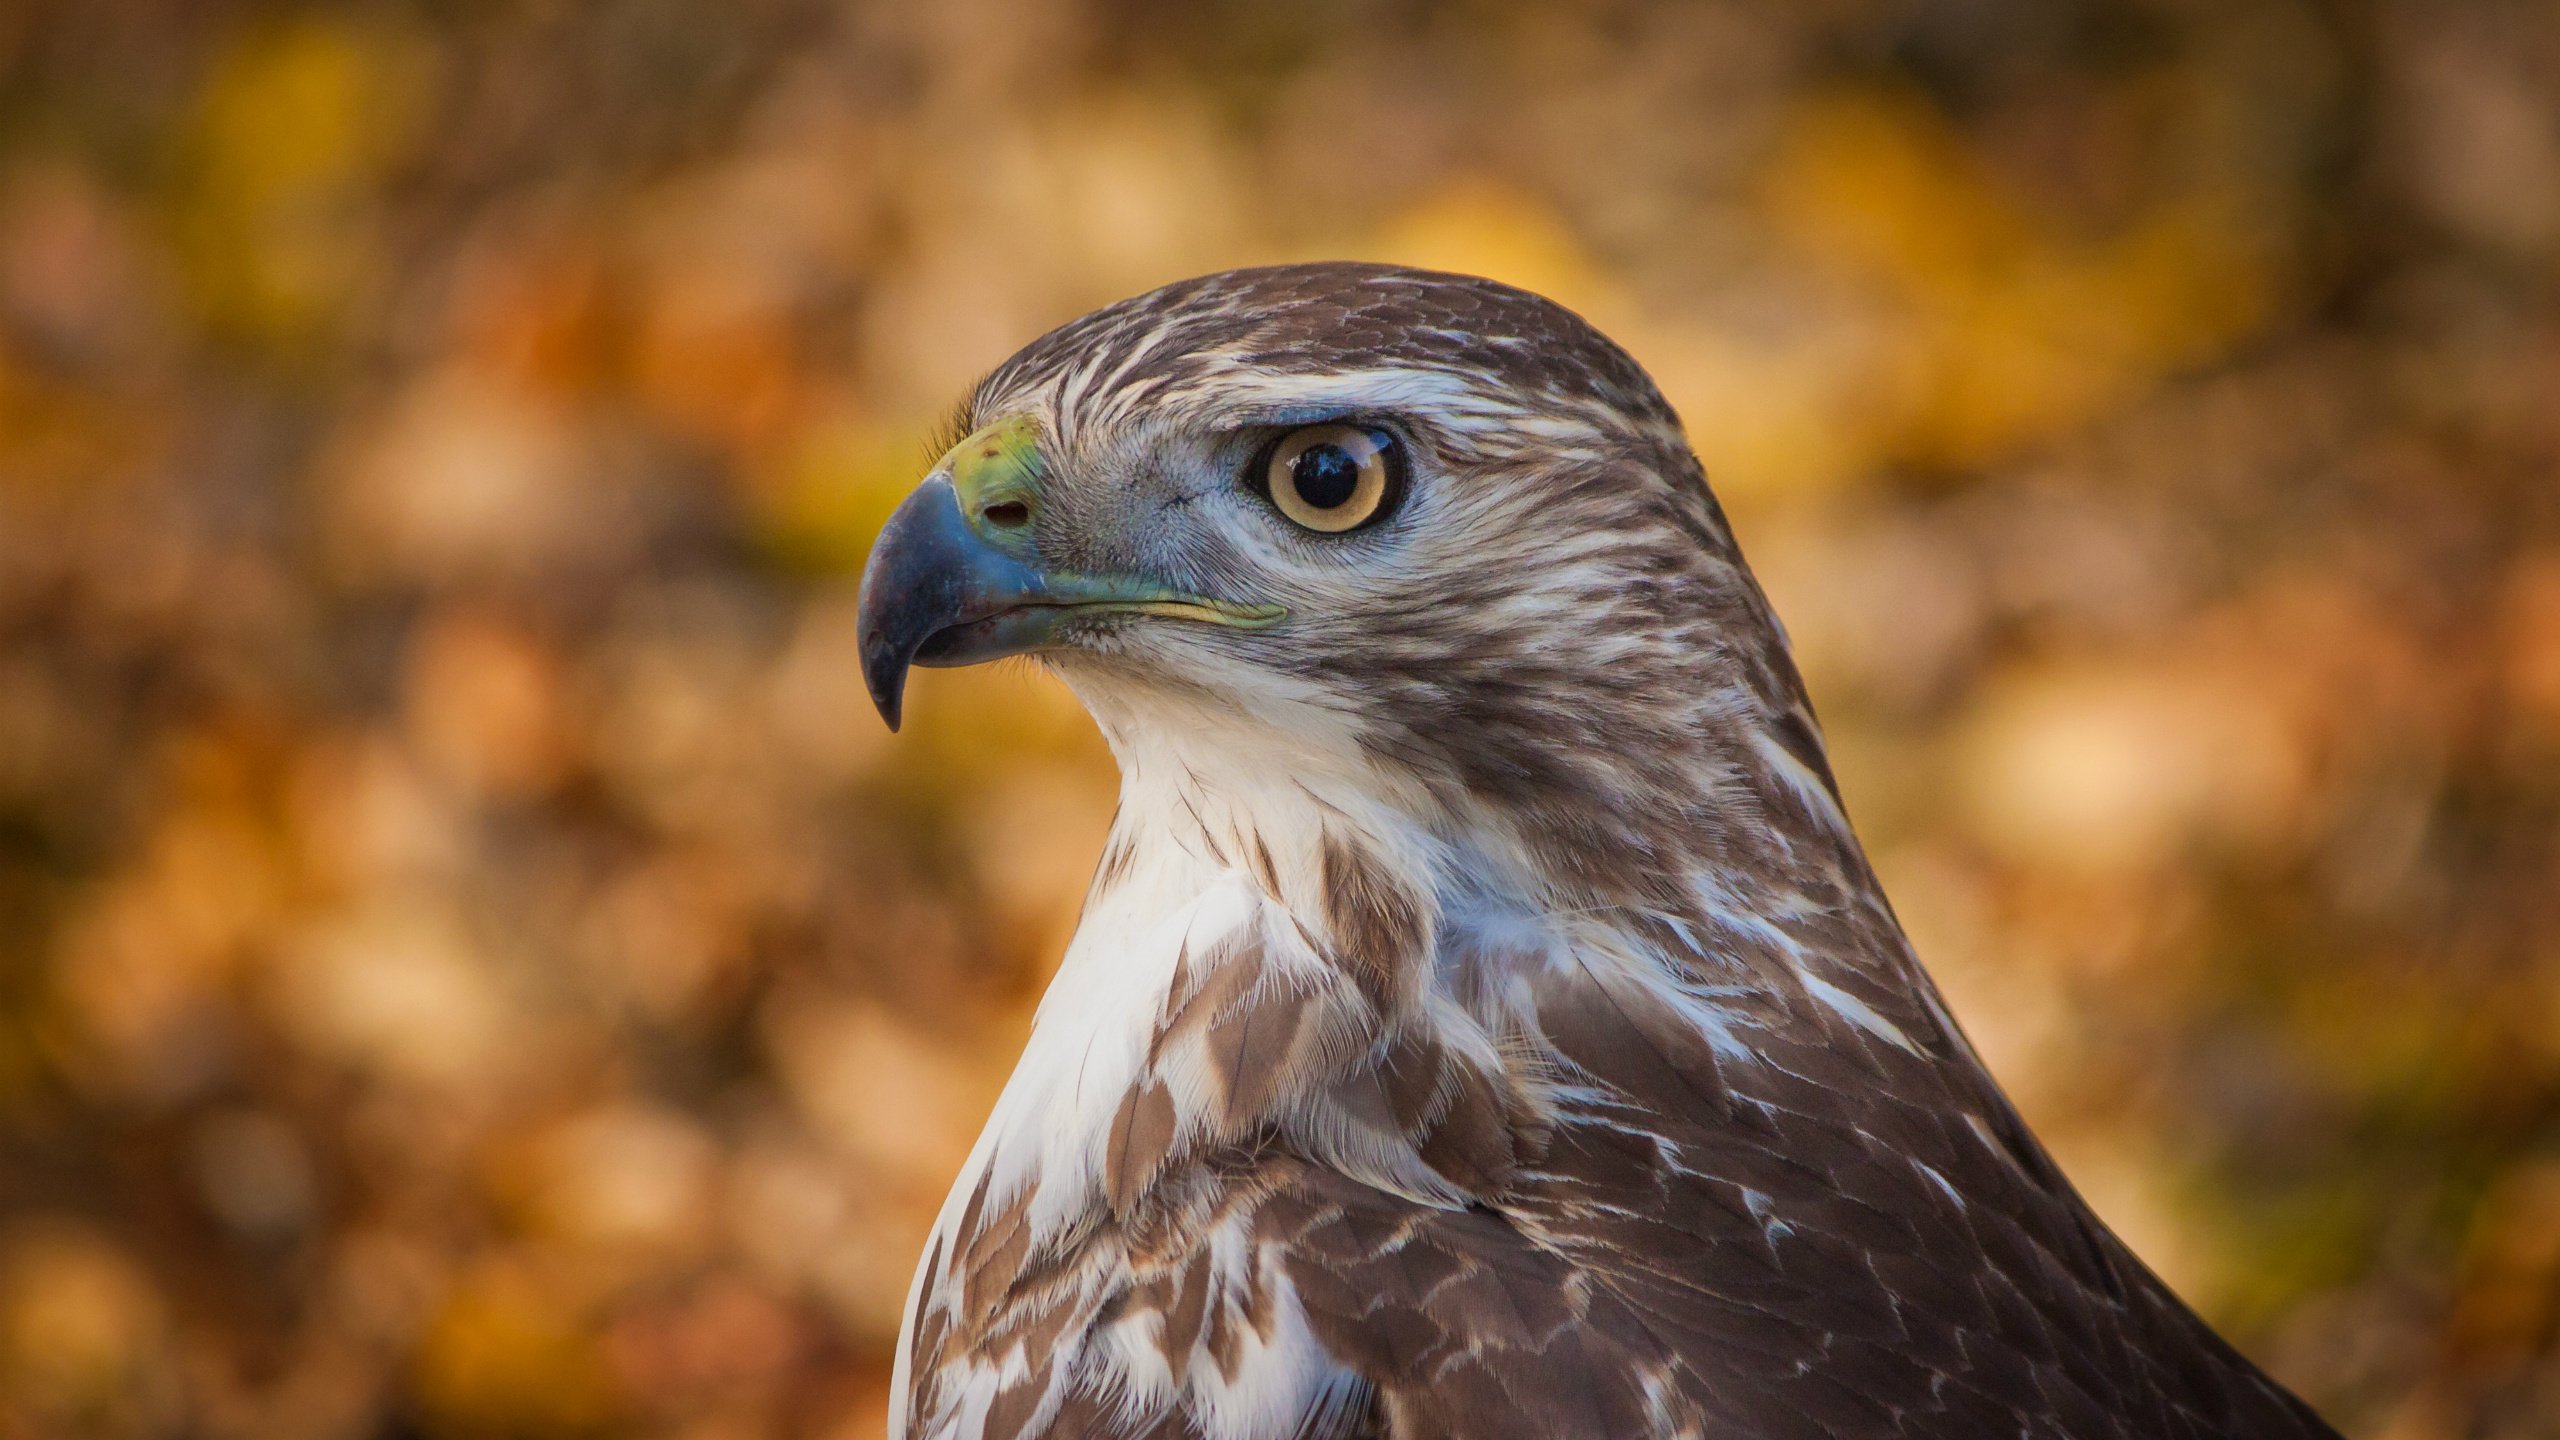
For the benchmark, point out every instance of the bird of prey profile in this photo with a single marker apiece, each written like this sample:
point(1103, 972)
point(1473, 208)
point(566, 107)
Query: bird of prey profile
point(1483, 1021)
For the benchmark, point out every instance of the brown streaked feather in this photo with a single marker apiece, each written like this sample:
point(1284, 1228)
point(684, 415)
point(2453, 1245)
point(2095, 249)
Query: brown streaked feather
point(1377, 926)
point(1142, 1136)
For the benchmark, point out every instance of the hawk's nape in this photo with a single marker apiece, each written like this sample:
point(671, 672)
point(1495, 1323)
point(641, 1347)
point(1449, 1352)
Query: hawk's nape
point(1484, 1021)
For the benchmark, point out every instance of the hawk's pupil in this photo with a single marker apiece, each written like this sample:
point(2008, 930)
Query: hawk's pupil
point(1326, 476)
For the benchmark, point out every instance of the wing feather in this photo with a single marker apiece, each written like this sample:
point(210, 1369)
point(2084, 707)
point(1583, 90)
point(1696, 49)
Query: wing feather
point(1867, 1263)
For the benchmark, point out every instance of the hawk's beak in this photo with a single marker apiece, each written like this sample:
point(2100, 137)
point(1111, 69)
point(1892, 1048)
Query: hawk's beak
point(955, 577)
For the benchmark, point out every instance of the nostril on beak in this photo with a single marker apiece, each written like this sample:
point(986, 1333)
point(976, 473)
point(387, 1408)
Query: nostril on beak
point(1009, 514)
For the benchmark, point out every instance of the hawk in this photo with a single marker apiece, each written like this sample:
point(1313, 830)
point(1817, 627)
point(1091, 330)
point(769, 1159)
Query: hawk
point(1483, 1021)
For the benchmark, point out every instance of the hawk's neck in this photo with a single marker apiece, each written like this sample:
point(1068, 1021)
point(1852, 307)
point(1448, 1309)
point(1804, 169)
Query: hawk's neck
point(1287, 951)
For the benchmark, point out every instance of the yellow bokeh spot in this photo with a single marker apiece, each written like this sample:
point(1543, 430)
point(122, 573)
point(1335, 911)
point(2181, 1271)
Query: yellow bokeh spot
point(2000, 325)
point(295, 121)
point(505, 1357)
point(1479, 227)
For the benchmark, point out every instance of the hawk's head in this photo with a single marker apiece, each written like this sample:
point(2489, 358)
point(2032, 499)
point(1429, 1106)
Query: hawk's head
point(1349, 515)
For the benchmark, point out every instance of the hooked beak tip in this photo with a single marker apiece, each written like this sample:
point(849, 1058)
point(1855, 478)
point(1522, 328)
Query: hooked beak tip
point(887, 696)
point(886, 659)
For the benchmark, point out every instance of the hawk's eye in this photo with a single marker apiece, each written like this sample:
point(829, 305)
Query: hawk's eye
point(1332, 478)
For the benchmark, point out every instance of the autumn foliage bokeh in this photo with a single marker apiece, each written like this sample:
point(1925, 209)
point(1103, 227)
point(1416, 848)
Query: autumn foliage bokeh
point(471, 963)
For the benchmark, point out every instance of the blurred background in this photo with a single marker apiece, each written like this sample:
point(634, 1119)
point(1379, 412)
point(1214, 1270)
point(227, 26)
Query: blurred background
point(472, 964)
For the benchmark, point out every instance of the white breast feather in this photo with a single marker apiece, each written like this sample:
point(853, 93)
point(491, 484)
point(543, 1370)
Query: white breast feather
point(1050, 1129)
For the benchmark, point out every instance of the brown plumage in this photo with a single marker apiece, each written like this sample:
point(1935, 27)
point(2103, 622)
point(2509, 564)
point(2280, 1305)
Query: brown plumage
point(1484, 1022)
